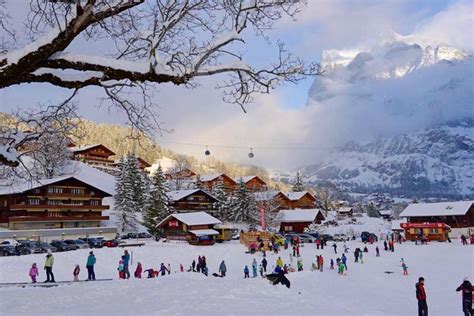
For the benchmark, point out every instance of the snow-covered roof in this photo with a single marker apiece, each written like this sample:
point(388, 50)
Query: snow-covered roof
point(297, 215)
point(180, 194)
point(210, 177)
point(396, 224)
point(437, 209)
point(385, 212)
point(191, 219)
point(265, 195)
point(295, 196)
point(204, 232)
point(345, 209)
point(83, 147)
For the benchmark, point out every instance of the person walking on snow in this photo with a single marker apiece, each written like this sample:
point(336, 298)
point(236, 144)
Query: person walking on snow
point(76, 272)
point(33, 272)
point(421, 297)
point(138, 271)
point(169, 268)
point(377, 251)
point(260, 269)
point(246, 272)
point(254, 268)
point(48, 266)
point(294, 251)
point(222, 269)
point(299, 264)
point(463, 239)
point(356, 255)
point(163, 269)
point(335, 247)
point(346, 249)
point(331, 264)
point(385, 245)
point(344, 261)
point(279, 262)
point(466, 288)
point(341, 268)
point(321, 263)
point(90, 267)
point(193, 265)
point(405, 268)
point(264, 265)
point(121, 270)
point(361, 256)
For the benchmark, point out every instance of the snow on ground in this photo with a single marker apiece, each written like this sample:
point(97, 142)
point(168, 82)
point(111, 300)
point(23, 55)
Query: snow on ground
point(366, 290)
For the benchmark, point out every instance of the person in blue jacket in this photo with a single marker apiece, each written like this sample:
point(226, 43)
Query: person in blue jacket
point(90, 267)
point(246, 272)
point(126, 260)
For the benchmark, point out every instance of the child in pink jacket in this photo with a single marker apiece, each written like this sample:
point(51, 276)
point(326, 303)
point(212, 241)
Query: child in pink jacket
point(33, 273)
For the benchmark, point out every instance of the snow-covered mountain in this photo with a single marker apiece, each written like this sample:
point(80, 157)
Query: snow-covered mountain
point(406, 119)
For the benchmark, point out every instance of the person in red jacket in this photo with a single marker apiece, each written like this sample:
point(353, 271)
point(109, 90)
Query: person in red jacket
point(421, 297)
point(138, 271)
point(466, 288)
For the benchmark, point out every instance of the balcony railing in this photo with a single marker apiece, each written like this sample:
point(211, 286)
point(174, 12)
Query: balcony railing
point(58, 206)
point(14, 219)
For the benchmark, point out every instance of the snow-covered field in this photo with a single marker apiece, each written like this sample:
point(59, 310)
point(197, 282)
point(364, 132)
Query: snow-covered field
point(365, 290)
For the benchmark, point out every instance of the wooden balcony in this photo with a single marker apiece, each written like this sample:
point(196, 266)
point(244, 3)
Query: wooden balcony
point(58, 207)
point(15, 219)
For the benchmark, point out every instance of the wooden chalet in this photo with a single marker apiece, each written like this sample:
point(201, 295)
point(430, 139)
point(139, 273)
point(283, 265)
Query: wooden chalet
point(197, 228)
point(296, 220)
point(274, 200)
point(344, 212)
point(459, 216)
point(63, 202)
point(142, 163)
point(95, 155)
point(253, 183)
point(302, 199)
point(185, 174)
point(191, 200)
point(212, 180)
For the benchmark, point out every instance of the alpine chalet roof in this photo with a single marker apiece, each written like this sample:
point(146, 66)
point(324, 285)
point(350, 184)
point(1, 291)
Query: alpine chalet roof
point(266, 195)
point(192, 219)
point(295, 196)
point(181, 194)
point(298, 216)
point(77, 149)
point(210, 177)
point(437, 209)
point(344, 209)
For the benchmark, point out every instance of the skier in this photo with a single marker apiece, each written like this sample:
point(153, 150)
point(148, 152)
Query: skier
point(344, 261)
point(466, 288)
point(33, 273)
point(76, 272)
point(421, 297)
point(377, 251)
point(90, 267)
point(279, 262)
point(246, 272)
point(126, 260)
point(222, 269)
point(254, 268)
point(264, 265)
point(335, 247)
point(48, 266)
point(163, 269)
point(404, 267)
point(138, 271)
point(121, 270)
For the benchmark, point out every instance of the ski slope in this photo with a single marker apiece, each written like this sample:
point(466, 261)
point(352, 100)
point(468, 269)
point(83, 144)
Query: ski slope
point(365, 290)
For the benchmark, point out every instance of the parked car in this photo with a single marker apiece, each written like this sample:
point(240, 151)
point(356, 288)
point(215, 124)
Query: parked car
point(314, 234)
point(62, 246)
point(9, 242)
point(144, 235)
point(340, 237)
point(326, 237)
point(31, 246)
point(94, 242)
point(46, 247)
point(7, 250)
point(365, 236)
point(111, 243)
point(124, 236)
point(306, 238)
point(81, 244)
point(72, 244)
point(132, 235)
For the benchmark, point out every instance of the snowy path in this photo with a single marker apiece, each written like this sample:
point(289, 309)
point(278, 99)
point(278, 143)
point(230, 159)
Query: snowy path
point(366, 290)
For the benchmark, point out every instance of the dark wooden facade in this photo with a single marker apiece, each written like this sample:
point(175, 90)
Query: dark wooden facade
point(298, 227)
point(307, 201)
point(174, 229)
point(255, 184)
point(185, 174)
point(198, 200)
point(68, 203)
point(94, 155)
point(211, 182)
point(456, 221)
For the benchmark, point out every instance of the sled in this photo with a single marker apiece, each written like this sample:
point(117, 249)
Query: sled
point(217, 275)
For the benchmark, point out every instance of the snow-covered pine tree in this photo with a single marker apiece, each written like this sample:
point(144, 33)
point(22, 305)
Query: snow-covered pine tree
point(158, 202)
point(244, 207)
point(131, 193)
point(298, 186)
point(372, 210)
point(223, 205)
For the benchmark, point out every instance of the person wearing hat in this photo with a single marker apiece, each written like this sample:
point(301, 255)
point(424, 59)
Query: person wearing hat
point(421, 297)
point(466, 288)
point(90, 267)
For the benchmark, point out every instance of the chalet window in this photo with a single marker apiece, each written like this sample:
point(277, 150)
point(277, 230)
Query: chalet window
point(55, 190)
point(77, 191)
point(54, 202)
point(32, 201)
point(92, 193)
point(74, 202)
point(95, 202)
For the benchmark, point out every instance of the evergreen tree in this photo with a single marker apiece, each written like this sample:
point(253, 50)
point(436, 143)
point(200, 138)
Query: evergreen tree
point(131, 193)
point(372, 210)
point(158, 202)
point(298, 186)
point(244, 207)
point(223, 205)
